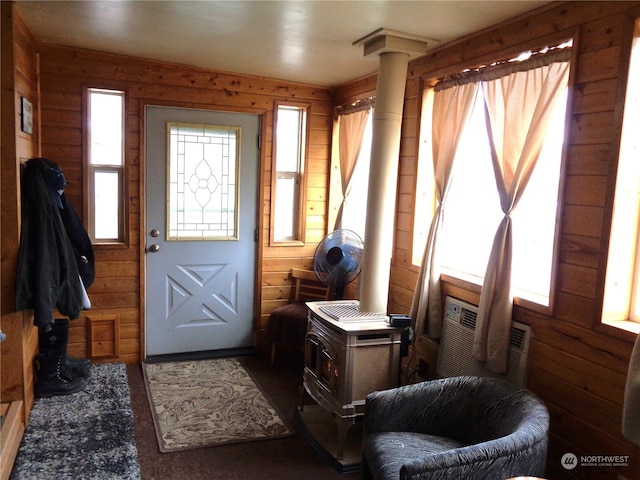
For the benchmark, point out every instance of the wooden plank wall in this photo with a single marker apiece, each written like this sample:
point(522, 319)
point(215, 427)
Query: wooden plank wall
point(577, 366)
point(66, 72)
point(19, 79)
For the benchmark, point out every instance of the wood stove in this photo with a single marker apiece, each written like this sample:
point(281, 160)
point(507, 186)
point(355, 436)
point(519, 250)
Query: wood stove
point(348, 354)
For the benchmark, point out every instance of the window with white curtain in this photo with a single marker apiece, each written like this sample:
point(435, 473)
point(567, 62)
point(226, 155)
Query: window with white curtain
point(472, 211)
point(355, 207)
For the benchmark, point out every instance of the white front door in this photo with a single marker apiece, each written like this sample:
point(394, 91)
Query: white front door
point(201, 203)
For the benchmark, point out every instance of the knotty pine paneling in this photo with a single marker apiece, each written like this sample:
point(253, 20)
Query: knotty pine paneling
point(586, 190)
point(575, 366)
point(281, 292)
point(603, 382)
point(19, 79)
point(594, 96)
point(359, 89)
point(588, 160)
point(569, 337)
point(592, 128)
point(582, 220)
point(577, 310)
point(579, 250)
point(577, 280)
point(66, 72)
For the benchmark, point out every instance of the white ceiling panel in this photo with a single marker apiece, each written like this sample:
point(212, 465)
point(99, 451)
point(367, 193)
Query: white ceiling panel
point(307, 41)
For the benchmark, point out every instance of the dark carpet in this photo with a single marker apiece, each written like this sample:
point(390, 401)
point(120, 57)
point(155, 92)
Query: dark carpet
point(84, 436)
point(282, 459)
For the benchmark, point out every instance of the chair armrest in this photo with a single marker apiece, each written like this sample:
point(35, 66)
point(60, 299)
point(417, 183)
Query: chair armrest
point(527, 457)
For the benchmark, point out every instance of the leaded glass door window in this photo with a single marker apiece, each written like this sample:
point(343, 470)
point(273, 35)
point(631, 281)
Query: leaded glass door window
point(202, 190)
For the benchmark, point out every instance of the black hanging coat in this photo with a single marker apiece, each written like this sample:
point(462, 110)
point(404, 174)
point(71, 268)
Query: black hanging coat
point(48, 262)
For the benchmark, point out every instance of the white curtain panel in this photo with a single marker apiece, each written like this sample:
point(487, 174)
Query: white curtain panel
point(351, 130)
point(519, 107)
point(451, 111)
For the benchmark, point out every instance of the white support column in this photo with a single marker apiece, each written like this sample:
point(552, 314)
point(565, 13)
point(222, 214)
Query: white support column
point(383, 179)
point(394, 50)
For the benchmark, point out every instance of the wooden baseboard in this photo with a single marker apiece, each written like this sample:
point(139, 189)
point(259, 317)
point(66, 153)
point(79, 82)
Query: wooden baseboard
point(10, 436)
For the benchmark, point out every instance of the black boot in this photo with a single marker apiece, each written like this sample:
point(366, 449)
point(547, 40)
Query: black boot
point(55, 340)
point(51, 379)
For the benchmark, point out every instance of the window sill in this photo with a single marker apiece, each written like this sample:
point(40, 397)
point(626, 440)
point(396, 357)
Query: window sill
point(286, 243)
point(474, 284)
point(109, 245)
point(626, 325)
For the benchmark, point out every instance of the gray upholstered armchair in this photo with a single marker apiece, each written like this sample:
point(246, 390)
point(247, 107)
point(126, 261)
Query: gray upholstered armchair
point(454, 428)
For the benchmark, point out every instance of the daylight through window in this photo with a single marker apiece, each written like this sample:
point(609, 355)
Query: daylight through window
point(105, 165)
point(356, 203)
point(622, 285)
point(472, 210)
point(288, 177)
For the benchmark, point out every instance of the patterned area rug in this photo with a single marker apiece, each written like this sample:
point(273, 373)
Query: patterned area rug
point(206, 403)
point(85, 435)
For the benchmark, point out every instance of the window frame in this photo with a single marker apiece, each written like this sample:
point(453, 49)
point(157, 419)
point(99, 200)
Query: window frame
point(626, 324)
point(299, 227)
point(90, 170)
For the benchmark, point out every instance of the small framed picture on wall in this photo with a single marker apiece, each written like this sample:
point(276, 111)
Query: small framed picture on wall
point(26, 110)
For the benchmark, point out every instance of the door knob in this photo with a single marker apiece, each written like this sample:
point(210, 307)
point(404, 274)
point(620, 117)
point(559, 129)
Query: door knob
point(154, 233)
point(154, 248)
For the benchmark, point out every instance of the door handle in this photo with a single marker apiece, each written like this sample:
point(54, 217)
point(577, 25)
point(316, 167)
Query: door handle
point(154, 248)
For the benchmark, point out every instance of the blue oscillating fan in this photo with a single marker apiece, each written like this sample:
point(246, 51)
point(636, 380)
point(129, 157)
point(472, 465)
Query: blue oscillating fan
point(338, 260)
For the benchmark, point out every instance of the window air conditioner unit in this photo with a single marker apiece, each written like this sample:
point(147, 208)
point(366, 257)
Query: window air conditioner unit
point(455, 356)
